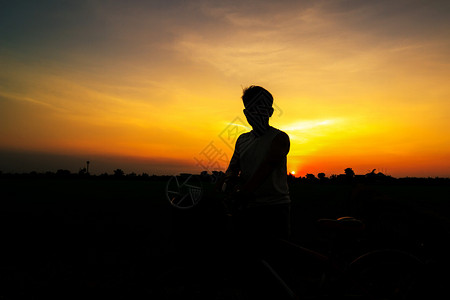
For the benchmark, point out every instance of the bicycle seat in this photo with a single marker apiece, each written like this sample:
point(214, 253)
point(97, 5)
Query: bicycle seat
point(342, 225)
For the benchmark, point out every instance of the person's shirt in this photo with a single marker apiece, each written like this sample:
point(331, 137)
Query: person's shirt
point(250, 151)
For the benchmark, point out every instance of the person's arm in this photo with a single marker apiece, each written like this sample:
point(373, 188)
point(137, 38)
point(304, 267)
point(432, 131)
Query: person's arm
point(277, 152)
point(232, 173)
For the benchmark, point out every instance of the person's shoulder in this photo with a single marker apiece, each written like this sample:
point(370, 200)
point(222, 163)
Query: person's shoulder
point(243, 137)
point(281, 134)
point(282, 141)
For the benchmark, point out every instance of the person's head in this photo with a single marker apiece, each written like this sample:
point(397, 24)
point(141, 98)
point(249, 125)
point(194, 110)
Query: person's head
point(258, 107)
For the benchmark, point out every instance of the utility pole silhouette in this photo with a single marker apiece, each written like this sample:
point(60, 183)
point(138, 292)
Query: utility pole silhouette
point(87, 167)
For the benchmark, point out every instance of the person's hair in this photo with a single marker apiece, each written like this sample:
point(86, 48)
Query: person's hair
point(256, 95)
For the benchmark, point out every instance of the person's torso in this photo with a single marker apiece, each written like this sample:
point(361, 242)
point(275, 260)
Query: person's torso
point(252, 151)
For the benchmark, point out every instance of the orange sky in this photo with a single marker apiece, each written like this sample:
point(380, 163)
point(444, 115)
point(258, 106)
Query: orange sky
point(356, 84)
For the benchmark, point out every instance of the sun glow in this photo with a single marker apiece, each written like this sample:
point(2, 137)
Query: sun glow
point(308, 125)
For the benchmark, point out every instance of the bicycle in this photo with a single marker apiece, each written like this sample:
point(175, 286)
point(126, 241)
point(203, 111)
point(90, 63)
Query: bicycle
point(333, 272)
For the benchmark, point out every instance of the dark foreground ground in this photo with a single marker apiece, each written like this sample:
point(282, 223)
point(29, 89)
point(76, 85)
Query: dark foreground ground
point(113, 238)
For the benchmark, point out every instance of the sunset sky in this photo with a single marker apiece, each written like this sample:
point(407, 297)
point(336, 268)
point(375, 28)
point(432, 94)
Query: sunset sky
point(155, 86)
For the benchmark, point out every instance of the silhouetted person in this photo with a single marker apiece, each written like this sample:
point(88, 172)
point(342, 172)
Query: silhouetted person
point(257, 173)
point(257, 178)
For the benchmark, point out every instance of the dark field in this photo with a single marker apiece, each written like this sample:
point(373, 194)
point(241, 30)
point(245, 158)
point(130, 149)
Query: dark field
point(112, 238)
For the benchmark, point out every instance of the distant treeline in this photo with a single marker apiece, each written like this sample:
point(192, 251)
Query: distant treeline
point(67, 174)
point(349, 176)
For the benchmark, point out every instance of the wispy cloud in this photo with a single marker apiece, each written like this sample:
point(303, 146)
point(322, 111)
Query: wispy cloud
point(310, 124)
point(32, 100)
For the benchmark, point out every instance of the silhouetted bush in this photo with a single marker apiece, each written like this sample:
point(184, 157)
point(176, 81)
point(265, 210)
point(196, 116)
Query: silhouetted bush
point(119, 173)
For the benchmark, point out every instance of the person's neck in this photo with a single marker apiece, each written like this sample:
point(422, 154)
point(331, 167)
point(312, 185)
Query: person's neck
point(260, 130)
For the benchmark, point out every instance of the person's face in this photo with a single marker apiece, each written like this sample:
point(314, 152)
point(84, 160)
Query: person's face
point(258, 116)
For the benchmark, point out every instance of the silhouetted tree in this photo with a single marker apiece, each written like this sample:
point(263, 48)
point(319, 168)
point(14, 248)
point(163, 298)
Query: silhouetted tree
point(349, 172)
point(321, 176)
point(119, 173)
point(62, 173)
point(372, 176)
point(82, 172)
point(310, 177)
point(290, 178)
